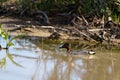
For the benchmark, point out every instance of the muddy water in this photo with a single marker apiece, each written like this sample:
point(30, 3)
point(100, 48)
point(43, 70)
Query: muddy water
point(28, 61)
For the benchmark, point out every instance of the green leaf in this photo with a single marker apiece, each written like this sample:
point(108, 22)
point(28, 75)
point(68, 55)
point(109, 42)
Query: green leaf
point(10, 44)
point(4, 35)
point(15, 37)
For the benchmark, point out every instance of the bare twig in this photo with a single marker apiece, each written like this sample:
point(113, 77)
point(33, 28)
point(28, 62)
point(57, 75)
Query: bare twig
point(84, 19)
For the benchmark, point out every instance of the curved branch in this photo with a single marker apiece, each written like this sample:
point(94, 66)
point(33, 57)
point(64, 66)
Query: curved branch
point(46, 20)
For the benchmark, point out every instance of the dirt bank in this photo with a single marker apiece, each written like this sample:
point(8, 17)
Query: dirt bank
point(30, 27)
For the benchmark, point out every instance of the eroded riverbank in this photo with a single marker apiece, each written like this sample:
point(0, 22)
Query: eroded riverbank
point(28, 27)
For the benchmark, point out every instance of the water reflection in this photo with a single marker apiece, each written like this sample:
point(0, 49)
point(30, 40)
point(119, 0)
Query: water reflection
point(39, 63)
point(58, 67)
point(6, 55)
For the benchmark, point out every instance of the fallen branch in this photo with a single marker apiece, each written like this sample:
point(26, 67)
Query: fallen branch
point(46, 20)
point(87, 36)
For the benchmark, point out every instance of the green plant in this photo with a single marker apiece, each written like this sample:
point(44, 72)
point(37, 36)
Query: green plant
point(5, 35)
point(114, 6)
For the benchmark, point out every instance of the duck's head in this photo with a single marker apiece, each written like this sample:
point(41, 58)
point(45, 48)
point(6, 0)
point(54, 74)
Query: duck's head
point(65, 45)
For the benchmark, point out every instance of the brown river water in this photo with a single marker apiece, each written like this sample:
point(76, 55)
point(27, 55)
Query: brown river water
point(28, 61)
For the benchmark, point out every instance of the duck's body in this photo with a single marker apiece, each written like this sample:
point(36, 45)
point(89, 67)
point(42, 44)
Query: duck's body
point(66, 45)
point(84, 52)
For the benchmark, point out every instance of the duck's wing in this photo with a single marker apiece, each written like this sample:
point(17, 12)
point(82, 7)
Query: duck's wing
point(81, 52)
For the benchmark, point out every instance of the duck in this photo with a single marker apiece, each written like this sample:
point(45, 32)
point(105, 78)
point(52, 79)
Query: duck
point(66, 46)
